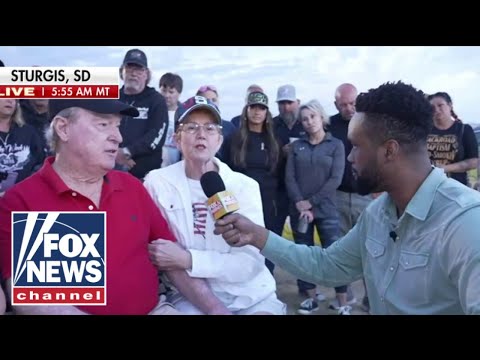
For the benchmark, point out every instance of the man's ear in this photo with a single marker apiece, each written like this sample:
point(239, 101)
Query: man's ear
point(60, 126)
point(392, 149)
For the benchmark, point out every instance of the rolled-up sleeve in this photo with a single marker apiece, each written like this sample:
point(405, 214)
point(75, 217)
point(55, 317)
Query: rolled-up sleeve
point(460, 257)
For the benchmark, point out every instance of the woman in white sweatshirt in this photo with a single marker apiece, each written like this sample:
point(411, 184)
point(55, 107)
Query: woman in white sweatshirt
point(237, 276)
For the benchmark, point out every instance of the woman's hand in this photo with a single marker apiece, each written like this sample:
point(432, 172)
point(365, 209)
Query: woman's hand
point(168, 255)
point(303, 205)
point(308, 214)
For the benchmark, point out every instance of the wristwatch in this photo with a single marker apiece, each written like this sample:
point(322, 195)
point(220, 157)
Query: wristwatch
point(127, 153)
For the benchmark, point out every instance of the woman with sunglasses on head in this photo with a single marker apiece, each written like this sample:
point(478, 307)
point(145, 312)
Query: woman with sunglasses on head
point(236, 277)
point(255, 150)
point(452, 144)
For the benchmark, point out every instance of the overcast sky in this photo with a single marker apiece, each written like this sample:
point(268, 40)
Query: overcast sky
point(315, 71)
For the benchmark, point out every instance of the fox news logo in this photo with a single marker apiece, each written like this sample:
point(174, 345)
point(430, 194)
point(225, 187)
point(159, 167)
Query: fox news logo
point(58, 258)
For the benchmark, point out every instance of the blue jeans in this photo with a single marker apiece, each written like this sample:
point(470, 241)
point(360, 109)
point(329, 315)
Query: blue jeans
point(350, 206)
point(329, 231)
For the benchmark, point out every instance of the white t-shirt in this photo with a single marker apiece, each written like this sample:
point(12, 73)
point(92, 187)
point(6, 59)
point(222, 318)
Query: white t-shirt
point(170, 153)
point(169, 140)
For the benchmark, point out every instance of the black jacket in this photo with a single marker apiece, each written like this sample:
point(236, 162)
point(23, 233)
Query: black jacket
point(144, 136)
point(339, 129)
point(40, 122)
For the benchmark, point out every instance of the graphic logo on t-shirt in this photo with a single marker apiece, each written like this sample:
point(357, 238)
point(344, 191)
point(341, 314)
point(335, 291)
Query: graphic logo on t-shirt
point(58, 258)
point(200, 212)
point(13, 157)
point(442, 148)
point(142, 112)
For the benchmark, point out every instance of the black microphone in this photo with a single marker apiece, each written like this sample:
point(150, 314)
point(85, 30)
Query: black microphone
point(220, 201)
point(393, 235)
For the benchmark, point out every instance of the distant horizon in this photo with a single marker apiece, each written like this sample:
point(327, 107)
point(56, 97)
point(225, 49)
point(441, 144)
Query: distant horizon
point(315, 71)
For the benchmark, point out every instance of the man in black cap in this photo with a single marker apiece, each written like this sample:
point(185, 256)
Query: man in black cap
point(85, 138)
point(143, 135)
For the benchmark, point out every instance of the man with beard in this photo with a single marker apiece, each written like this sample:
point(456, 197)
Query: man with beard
point(417, 244)
point(287, 129)
point(144, 135)
point(286, 124)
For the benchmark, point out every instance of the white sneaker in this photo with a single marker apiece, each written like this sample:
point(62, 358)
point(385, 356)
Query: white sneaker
point(345, 310)
point(320, 296)
point(334, 304)
point(307, 307)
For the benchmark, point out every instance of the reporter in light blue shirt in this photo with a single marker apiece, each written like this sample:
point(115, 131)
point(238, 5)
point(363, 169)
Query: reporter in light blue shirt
point(417, 245)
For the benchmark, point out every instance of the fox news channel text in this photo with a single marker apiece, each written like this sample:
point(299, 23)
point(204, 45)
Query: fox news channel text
point(58, 258)
point(59, 83)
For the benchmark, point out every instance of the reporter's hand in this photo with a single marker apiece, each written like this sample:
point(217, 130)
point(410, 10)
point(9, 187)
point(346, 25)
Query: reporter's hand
point(238, 231)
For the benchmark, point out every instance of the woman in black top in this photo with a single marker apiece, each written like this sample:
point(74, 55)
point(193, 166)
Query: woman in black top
point(256, 152)
point(452, 144)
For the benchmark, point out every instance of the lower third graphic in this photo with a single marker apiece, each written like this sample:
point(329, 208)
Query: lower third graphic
point(59, 258)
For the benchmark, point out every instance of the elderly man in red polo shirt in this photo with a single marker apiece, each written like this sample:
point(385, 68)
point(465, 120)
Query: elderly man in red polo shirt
point(85, 137)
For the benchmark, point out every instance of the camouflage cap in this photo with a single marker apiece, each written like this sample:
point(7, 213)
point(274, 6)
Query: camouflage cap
point(257, 98)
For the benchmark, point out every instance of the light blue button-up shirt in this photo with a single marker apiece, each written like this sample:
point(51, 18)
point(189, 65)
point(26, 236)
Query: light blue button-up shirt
point(432, 267)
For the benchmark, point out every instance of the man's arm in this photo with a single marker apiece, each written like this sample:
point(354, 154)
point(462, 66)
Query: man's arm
point(157, 130)
point(197, 292)
point(339, 264)
point(291, 179)
point(14, 202)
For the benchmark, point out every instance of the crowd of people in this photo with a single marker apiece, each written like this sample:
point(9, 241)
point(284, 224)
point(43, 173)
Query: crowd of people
point(383, 183)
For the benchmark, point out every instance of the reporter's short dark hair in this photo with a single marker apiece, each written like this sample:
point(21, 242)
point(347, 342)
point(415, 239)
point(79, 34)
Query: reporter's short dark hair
point(397, 111)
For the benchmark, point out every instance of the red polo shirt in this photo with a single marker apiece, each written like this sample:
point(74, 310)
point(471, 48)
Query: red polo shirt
point(133, 220)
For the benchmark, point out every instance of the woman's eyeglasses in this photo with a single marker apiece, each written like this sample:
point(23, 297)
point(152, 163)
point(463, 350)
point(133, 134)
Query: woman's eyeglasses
point(193, 128)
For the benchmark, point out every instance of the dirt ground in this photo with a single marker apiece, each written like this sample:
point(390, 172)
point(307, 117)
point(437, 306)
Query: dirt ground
point(288, 292)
